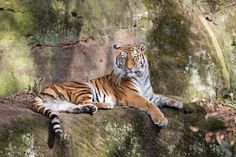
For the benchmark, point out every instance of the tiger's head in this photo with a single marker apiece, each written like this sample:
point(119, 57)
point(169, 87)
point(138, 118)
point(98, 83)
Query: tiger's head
point(130, 60)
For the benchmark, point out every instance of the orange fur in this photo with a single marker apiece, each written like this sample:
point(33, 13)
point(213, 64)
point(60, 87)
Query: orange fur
point(116, 88)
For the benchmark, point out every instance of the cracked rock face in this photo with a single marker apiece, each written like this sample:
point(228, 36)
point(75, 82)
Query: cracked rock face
point(191, 46)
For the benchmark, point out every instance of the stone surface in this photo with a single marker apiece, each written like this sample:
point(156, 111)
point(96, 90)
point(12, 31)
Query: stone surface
point(120, 132)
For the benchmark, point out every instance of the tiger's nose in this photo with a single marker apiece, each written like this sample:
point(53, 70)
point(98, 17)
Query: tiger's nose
point(130, 66)
point(130, 69)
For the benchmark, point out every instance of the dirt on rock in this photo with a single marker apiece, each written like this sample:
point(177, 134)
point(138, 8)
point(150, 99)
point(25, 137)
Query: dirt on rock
point(221, 110)
point(14, 106)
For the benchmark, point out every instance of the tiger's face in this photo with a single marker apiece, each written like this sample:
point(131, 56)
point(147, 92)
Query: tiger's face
point(130, 60)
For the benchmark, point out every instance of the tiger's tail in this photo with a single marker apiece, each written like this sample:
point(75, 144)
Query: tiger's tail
point(38, 106)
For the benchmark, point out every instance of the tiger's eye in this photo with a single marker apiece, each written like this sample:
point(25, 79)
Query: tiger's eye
point(123, 59)
point(136, 58)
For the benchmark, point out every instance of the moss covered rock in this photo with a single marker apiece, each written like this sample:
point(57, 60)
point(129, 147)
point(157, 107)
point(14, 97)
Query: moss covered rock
point(191, 46)
point(118, 132)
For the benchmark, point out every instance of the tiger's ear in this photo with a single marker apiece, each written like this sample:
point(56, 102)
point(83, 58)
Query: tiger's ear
point(142, 47)
point(116, 47)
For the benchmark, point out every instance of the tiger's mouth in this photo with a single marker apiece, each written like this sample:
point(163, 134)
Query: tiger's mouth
point(137, 73)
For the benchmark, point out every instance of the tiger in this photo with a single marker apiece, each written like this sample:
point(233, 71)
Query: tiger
point(127, 85)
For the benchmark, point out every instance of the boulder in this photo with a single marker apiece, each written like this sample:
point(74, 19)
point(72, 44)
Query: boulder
point(122, 132)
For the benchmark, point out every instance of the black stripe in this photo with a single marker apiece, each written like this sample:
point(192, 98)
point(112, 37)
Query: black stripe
point(117, 63)
point(40, 96)
point(104, 98)
point(87, 97)
point(76, 82)
point(69, 95)
point(83, 99)
point(97, 88)
point(55, 123)
point(155, 99)
point(104, 88)
point(58, 130)
point(120, 90)
point(61, 96)
point(147, 88)
point(146, 78)
point(132, 89)
point(81, 91)
point(62, 87)
point(81, 94)
point(47, 112)
point(53, 116)
point(96, 96)
point(47, 94)
point(143, 61)
point(117, 77)
point(72, 86)
point(134, 79)
point(41, 109)
point(65, 89)
point(132, 84)
point(119, 66)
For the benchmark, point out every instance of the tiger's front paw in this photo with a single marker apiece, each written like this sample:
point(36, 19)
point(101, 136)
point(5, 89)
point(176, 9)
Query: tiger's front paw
point(178, 105)
point(89, 108)
point(160, 121)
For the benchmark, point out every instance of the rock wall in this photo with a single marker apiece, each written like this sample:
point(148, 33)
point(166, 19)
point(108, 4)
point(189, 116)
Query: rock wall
point(191, 44)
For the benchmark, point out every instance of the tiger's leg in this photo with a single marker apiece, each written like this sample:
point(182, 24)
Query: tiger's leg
point(83, 108)
point(90, 108)
point(138, 101)
point(104, 105)
point(87, 105)
point(162, 101)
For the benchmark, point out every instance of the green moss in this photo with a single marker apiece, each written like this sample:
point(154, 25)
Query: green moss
point(193, 108)
point(114, 133)
point(17, 68)
point(21, 137)
point(221, 150)
point(214, 124)
point(9, 84)
point(169, 42)
point(193, 113)
point(196, 149)
point(123, 140)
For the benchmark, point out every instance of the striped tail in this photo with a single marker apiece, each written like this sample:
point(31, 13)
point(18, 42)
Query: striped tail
point(55, 120)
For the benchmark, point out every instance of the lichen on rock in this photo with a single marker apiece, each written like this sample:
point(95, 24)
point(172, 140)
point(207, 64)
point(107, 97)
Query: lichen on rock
point(118, 132)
